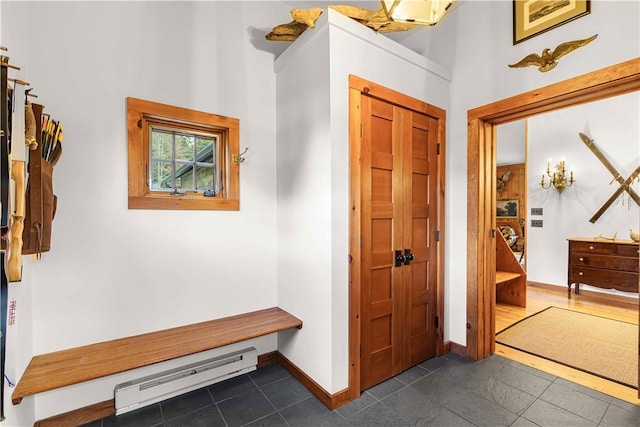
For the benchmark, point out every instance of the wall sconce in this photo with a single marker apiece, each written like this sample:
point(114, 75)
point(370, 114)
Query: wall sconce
point(425, 12)
point(557, 177)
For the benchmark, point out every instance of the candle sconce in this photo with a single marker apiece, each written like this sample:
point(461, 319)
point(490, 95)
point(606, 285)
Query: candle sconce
point(557, 177)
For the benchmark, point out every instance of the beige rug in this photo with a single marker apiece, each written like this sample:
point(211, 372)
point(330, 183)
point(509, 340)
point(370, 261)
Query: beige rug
point(603, 347)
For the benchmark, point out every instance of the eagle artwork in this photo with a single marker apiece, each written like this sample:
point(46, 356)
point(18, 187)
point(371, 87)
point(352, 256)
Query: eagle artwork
point(549, 60)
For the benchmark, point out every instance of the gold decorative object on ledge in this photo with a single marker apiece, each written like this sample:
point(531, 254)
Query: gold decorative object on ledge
point(549, 60)
point(557, 177)
point(306, 18)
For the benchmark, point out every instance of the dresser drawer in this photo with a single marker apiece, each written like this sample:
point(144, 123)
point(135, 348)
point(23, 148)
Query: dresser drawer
point(610, 279)
point(605, 262)
point(592, 248)
point(628, 250)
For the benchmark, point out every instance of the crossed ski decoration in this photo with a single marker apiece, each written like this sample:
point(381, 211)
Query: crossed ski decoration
point(625, 184)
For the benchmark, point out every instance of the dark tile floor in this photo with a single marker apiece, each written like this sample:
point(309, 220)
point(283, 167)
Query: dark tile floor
point(443, 391)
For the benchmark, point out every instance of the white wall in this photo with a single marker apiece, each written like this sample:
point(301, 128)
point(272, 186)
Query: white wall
point(613, 125)
point(475, 42)
point(304, 201)
point(114, 272)
point(313, 177)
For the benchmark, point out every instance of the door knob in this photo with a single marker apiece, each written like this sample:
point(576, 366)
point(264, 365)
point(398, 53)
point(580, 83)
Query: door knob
point(408, 256)
point(399, 258)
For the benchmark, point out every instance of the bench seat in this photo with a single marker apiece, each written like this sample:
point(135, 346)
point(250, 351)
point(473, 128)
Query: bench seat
point(75, 365)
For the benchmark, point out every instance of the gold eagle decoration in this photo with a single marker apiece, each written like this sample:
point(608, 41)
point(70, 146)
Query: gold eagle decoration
point(549, 60)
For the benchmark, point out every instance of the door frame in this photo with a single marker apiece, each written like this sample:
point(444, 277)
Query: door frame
point(357, 87)
point(481, 163)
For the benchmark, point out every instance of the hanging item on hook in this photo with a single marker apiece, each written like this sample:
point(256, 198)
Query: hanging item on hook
point(238, 158)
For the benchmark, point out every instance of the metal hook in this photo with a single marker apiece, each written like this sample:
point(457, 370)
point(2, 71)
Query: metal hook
point(238, 158)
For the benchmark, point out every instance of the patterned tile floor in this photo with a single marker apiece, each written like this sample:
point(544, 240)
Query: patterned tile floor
point(444, 391)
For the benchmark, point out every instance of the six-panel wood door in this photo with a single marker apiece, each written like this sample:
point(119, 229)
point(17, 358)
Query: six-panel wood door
point(398, 232)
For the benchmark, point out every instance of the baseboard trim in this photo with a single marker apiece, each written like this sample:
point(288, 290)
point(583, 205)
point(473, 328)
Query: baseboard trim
point(80, 416)
point(586, 293)
point(331, 401)
point(108, 407)
point(458, 348)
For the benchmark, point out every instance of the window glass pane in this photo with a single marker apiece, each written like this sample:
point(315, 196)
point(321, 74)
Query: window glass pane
point(184, 175)
point(205, 178)
point(175, 154)
point(161, 145)
point(161, 175)
point(184, 147)
point(205, 147)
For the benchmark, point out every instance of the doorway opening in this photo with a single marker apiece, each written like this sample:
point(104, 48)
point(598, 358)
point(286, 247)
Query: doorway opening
point(481, 248)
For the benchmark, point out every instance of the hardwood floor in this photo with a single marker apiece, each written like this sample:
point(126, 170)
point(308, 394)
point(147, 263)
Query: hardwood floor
point(541, 297)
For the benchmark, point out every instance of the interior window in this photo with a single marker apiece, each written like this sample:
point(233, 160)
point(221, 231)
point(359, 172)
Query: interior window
point(181, 158)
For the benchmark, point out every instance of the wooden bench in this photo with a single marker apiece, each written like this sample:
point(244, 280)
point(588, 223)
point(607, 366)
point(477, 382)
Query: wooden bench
point(511, 279)
point(503, 277)
point(66, 367)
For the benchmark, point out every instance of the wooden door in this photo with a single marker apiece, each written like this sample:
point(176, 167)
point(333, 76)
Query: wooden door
point(398, 235)
point(420, 235)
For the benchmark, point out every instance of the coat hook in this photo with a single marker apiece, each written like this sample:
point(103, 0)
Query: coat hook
point(238, 158)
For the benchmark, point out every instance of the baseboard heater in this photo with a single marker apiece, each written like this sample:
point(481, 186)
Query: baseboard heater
point(164, 385)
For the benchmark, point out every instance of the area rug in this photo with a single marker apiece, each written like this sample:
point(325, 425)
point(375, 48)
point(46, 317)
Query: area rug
point(597, 345)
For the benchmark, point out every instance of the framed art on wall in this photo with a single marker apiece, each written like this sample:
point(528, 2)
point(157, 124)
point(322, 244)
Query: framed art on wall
point(532, 17)
point(506, 208)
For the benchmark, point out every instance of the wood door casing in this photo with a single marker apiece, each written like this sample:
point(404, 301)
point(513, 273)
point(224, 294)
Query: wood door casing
point(614, 80)
point(399, 176)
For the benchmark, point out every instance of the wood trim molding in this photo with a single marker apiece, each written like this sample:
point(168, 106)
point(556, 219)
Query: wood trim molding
point(602, 296)
point(80, 416)
point(457, 348)
point(605, 83)
point(331, 401)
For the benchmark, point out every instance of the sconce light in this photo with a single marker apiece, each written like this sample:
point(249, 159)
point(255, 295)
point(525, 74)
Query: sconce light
point(425, 12)
point(557, 177)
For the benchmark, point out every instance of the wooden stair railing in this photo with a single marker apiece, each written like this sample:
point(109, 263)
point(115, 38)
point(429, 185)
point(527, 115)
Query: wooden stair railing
point(511, 279)
point(75, 365)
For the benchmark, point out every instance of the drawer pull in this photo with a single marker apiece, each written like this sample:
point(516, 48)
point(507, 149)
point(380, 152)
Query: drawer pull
point(581, 259)
point(591, 247)
point(581, 274)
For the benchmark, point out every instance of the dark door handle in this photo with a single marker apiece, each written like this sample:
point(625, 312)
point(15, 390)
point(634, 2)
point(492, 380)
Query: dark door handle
point(399, 258)
point(408, 256)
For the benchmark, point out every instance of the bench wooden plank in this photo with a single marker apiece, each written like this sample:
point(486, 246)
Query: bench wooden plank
point(505, 276)
point(66, 367)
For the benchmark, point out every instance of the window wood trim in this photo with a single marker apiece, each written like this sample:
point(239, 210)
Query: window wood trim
point(140, 197)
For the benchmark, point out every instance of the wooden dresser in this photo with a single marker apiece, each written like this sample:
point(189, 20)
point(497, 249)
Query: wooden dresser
point(603, 263)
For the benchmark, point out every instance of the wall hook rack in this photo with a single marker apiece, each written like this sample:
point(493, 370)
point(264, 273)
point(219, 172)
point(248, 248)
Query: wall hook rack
point(238, 158)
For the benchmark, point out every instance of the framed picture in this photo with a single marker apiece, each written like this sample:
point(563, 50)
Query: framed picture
point(507, 208)
point(532, 17)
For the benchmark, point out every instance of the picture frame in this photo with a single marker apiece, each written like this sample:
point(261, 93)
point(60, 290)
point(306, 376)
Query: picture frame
point(507, 208)
point(533, 17)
